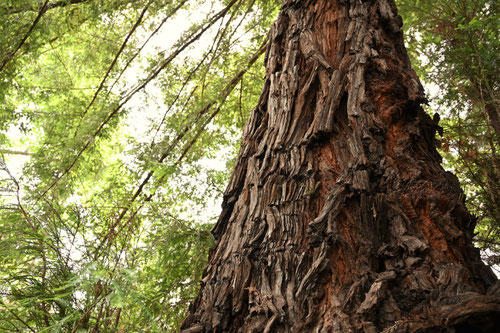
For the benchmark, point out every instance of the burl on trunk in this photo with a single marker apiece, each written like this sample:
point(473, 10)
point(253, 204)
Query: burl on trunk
point(338, 216)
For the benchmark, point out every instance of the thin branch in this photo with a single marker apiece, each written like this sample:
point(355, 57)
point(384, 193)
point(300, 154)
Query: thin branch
point(58, 57)
point(20, 319)
point(15, 152)
point(184, 84)
point(51, 5)
point(169, 15)
point(64, 3)
point(124, 44)
point(213, 50)
point(57, 88)
point(35, 22)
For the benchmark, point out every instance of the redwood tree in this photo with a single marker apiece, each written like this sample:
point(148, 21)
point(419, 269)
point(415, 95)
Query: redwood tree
point(338, 216)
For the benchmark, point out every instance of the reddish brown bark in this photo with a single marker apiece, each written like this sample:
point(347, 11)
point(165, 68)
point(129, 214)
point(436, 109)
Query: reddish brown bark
point(338, 216)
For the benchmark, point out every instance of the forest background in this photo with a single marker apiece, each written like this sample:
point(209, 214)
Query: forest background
point(120, 121)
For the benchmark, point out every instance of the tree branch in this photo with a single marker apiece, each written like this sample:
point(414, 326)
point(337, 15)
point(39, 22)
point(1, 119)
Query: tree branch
point(124, 44)
point(35, 22)
point(50, 5)
point(15, 152)
point(64, 3)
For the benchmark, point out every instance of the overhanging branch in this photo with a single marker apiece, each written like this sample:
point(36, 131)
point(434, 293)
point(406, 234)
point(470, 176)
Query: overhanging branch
point(42, 11)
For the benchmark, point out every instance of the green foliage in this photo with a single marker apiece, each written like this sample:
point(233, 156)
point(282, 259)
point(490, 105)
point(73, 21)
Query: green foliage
point(109, 133)
point(454, 45)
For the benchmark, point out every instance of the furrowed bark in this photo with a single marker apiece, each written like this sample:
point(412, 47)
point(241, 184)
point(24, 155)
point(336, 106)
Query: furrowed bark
point(338, 216)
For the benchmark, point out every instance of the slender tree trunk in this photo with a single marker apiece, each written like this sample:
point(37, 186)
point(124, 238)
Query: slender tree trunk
point(338, 216)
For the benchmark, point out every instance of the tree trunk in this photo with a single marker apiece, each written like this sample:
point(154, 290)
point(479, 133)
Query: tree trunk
point(338, 216)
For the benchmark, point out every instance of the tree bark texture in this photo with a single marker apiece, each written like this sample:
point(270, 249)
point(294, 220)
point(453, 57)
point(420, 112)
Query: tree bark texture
point(338, 216)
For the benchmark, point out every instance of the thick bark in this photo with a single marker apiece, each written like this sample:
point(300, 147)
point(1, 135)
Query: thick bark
point(338, 216)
